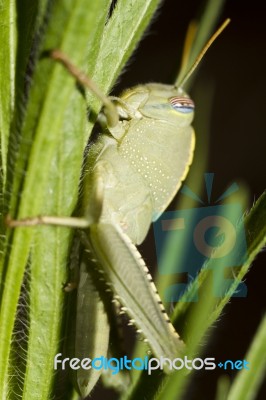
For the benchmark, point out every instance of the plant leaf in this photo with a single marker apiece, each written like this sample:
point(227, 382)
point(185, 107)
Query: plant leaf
point(43, 127)
point(246, 383)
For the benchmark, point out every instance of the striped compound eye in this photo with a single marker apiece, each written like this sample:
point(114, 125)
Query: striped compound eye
point(182, 104)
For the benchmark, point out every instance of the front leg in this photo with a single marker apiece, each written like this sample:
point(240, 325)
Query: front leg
point(71, 222)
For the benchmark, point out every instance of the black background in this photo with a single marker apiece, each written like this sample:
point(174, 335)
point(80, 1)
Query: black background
point(237, 65)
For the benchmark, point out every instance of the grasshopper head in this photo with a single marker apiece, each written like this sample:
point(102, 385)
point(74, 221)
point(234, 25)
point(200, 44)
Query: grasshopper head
point(169, 104)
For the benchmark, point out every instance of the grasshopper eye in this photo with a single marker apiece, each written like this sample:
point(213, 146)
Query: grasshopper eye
point(182, 104)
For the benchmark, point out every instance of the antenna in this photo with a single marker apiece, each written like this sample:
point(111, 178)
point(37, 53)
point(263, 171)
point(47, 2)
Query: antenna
point(203, 52)
point(83, 79)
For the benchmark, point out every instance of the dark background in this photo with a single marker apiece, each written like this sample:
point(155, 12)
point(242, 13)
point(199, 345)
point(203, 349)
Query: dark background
point(236, 64)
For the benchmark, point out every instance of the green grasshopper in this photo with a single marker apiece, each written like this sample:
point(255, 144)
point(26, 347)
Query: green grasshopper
point(132, 173)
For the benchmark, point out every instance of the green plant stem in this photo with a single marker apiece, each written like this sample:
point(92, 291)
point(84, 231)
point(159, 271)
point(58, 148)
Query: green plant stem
point(247, 382)
point(49, 97)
